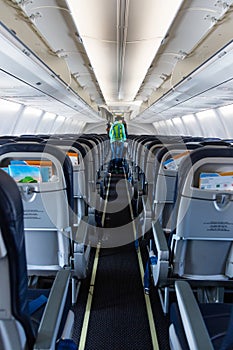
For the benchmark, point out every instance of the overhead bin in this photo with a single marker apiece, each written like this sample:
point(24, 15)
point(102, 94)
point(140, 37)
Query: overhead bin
point(32, 77)
point(202, 88)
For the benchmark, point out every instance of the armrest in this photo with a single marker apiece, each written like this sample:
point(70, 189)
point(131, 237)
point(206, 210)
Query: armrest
point(146, 204)
point(160, 269)
point(52, 315)
point(194, 326)
point(81, 233)
point(81, 249)
point(160, 241)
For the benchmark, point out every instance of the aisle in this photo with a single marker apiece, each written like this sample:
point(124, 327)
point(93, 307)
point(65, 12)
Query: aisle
point(116, 316)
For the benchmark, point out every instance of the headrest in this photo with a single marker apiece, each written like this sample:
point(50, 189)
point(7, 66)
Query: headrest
point(175, 146)
point(201, 153)
point(55, 151)
point(68, 143)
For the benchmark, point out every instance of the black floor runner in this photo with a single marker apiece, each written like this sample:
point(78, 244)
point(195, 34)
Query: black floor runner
point(118, 318)
point(118, 210)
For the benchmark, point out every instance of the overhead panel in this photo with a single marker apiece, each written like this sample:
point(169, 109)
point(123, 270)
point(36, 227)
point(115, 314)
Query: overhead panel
point(180, 54)
point(148, 24)
point(53, 21)
point(96, 25)
point(121, 40)
point(125, 55)
point(210, 86)
point(26, 79)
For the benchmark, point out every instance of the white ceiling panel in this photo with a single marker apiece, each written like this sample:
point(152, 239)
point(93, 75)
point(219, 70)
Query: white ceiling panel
point(127, 56)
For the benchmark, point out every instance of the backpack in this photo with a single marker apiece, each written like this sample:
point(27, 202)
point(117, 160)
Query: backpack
point(117, 131)
point(66, 344)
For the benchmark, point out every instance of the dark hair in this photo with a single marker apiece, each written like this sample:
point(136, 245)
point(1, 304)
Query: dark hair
point(118, 118)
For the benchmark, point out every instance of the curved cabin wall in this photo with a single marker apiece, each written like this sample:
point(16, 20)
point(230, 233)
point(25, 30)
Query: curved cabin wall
point(209, 123)
point(17, 119)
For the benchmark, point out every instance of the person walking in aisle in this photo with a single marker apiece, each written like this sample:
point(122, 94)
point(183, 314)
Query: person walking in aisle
point(117, 138)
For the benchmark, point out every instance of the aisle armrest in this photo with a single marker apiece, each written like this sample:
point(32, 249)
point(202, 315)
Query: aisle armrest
point(194, 326)
point(160, 269)
point(52, 315)
point(160, 241)
point(81, 249)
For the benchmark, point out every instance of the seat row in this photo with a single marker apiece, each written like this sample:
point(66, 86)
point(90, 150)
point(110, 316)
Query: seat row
point(184, 191)
point(48, 188)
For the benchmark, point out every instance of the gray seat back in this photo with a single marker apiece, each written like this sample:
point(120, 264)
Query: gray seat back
point(202, 242)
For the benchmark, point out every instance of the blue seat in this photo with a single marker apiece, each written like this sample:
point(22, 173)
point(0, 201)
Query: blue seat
point(198, 326)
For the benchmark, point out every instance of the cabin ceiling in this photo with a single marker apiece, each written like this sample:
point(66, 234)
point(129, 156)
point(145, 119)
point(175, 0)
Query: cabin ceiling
point(121, 56)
